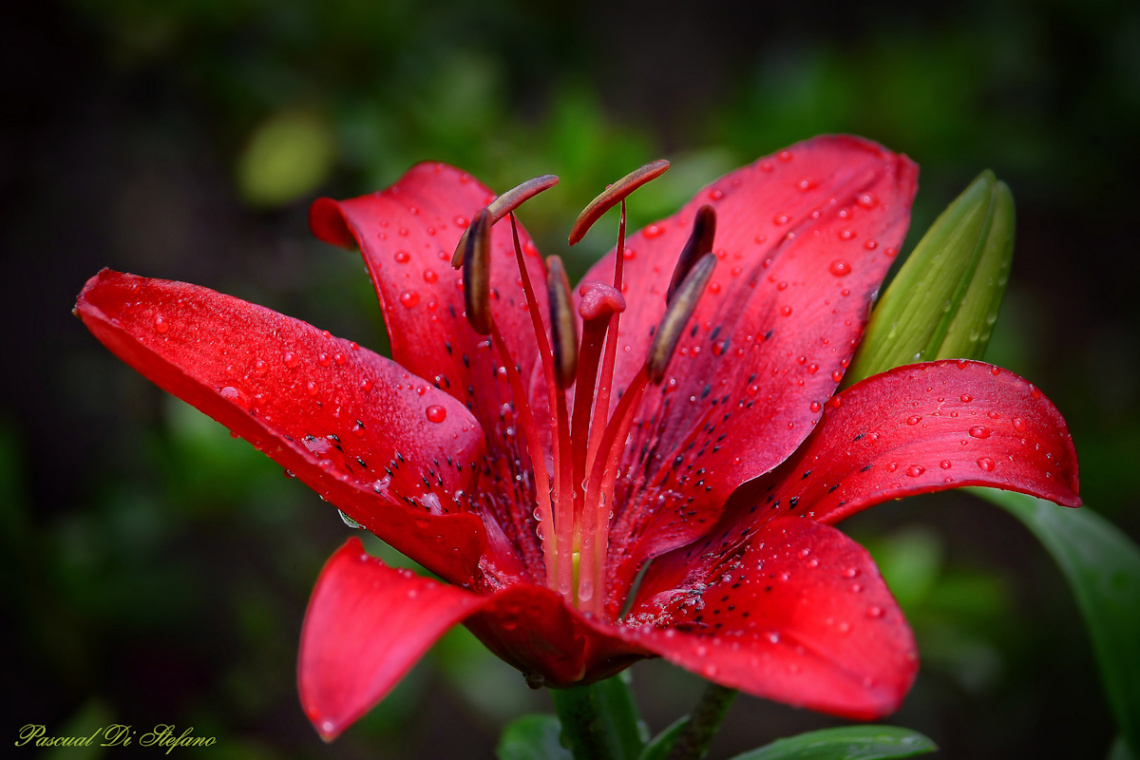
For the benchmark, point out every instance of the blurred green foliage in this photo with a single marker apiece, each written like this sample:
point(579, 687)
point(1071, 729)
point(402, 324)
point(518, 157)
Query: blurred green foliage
point(156, 570)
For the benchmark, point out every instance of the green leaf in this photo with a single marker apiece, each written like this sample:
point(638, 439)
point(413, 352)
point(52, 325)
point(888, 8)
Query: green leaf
point(659, 746)
point(532, 737)
point(845, 743)
point(945, 299)
point(1102, 567)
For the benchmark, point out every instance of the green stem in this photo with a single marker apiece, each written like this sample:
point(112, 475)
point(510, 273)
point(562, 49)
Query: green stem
point(693, 743)
point(599, 721)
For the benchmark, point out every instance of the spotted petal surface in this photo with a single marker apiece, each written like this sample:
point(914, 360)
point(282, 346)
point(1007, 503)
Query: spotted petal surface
point(804, 238)
point(798, 613)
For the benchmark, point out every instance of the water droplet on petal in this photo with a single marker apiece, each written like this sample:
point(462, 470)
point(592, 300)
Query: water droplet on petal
point(1019, 424)
point(160, 325)
point(986, 464)
point(913, 420)
point(436, 413)
point(839, 268)
point(979, 432)
point(915, 470)
point(402, 257)
point(409, 298)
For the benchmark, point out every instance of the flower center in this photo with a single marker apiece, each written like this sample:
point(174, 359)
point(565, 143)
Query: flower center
point(574, 498)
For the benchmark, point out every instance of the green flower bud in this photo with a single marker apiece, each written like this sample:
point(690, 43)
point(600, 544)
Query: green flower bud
point(945, 299)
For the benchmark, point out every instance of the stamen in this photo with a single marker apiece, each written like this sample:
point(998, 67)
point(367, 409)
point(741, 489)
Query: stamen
point(547, 519)
point(700, 243)
point(562, 327)
point(677, 316)
point(613, 194)
point(505, 204)
point(477, 274)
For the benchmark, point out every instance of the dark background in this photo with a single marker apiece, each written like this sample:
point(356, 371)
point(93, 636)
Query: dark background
point(155, 571)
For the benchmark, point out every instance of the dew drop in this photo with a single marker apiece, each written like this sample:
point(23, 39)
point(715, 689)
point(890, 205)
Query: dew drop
point(716, 194)
point(979, 432)
point(870, 245)
point(874, 611)
point(1019, 424)
point(430, 276)
point(986, 464)
point(436, 413)
point(945, 464)
point(780, 219)
point(851, 572)
point(653, 230)
point(409, 298)
point(966, 398)
point(160, 325)
point(291, 360)
point(815, 407)
point(847, 234)
point(786, 311)
point(866, 200)
point(915, 470)
point(839, 268)
point(402, 257)
point(913, 420)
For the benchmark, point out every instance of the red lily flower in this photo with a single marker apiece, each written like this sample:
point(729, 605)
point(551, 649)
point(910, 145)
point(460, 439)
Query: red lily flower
point(702, 446)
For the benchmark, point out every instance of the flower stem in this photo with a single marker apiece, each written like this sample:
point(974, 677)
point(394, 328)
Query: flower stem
point(599, 721)
point(698, 733)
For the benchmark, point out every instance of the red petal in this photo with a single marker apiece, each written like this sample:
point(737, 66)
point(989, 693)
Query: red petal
point(407, 235)
point(799, 614)
point(337, 416)
point(366, 626)
point(930, 427)
point(804, 239)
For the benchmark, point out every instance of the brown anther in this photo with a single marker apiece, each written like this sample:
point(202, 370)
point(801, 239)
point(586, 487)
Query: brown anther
point(563, 328)
point(505, 204)
point(700, 243)
point(613, 195)
point(477, 273)
point(677, 316)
